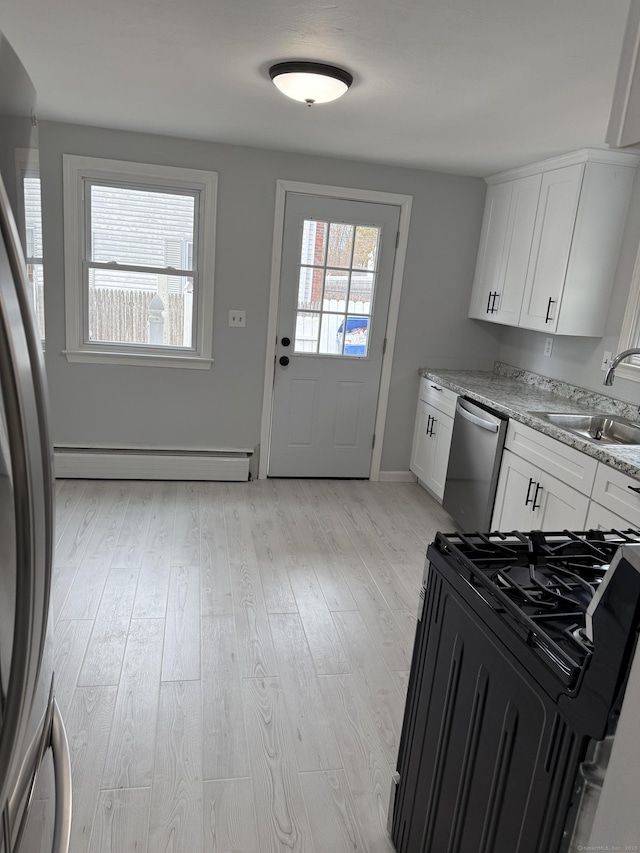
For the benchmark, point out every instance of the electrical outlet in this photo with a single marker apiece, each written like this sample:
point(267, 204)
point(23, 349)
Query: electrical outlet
point(607, 358)
point(548, 346)
point(237, 318)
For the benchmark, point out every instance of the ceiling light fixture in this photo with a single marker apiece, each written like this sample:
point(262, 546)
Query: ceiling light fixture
point(310, 82)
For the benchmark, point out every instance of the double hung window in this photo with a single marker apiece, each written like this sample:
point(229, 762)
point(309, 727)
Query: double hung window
point(139, 244)
point(30, 225)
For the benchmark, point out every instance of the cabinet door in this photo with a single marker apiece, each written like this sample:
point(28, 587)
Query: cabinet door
point(420, 457)
point(522, 217)
point(442, 428)
point(491, 252)
point(558, 506)
point(514, 495)
point(555, 221)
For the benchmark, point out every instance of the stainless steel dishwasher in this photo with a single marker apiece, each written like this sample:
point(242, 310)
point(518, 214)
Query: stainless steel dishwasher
point(474, 464)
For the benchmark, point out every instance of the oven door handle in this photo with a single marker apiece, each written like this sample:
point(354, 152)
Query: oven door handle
point(474, 419)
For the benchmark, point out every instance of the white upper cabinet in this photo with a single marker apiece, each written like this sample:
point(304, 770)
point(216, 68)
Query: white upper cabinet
point(505, 245)
point(550, 240)
point(624, 122)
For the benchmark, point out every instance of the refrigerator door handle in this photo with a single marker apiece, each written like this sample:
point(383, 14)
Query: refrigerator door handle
point(62, 773)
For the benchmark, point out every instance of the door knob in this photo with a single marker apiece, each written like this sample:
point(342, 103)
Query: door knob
point(284, 360)
point(285, 342)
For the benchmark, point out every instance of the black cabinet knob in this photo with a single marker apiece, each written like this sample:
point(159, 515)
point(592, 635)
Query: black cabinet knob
point(284, 360)
point(285, 342)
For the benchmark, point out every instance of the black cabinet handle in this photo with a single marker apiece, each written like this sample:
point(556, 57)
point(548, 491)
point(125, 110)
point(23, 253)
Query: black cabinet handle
point(528, 499)
point(433, 423)
point(494, 297)
point(535, 497)
point(634, 489)
point(435, 388)
point(428, 424)
point(549, 304)
point(488, 311)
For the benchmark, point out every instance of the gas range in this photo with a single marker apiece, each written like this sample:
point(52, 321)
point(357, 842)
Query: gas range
point(543, 586)
point(521, 658)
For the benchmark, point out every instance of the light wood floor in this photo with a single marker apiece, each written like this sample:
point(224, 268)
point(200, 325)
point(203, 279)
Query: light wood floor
point(232, 658)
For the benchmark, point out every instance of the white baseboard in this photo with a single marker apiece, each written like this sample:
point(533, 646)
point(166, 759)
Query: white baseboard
point(136, 464)
point(397, 477)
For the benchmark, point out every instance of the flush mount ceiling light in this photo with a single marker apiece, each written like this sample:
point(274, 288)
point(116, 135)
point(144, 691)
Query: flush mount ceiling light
point(310, 82)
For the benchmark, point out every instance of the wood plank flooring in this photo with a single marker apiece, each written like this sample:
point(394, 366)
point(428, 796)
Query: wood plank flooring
point(232, 659)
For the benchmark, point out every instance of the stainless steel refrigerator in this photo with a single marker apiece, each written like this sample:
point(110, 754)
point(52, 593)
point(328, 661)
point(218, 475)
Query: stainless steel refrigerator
point(35, 774)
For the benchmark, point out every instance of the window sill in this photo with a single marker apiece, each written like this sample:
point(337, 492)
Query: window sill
point(140, 359)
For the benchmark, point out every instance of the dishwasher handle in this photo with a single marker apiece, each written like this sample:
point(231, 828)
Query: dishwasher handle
point(463, 412)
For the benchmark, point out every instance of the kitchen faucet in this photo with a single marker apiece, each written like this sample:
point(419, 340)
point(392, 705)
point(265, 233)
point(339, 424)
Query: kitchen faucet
point(610, 374)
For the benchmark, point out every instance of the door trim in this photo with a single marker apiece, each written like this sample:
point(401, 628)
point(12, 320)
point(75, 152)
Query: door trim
point(348, 194)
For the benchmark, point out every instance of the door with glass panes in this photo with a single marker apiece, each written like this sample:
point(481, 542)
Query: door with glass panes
point(337, 265)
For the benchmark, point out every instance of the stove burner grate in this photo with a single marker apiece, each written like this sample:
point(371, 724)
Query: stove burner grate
point(542, 581)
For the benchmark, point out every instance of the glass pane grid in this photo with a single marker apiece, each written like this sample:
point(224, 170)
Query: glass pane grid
point(336, 288)
point(139, 309)
point(141, 227)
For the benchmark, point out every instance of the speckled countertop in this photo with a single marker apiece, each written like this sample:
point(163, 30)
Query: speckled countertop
point(517, 393)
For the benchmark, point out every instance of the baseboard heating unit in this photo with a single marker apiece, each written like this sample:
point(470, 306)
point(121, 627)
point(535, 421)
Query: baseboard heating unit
point(150, 464)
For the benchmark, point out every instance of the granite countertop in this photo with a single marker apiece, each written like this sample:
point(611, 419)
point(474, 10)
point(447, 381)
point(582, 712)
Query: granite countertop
point(516, 393)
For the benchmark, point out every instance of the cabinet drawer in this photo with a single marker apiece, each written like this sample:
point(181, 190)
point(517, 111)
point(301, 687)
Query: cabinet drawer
point(569, 465)
point(615, 491)
point(438, 396)
point(599, 518)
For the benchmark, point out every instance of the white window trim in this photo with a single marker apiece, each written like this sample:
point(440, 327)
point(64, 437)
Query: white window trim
point(630, 331)
point(75, 170)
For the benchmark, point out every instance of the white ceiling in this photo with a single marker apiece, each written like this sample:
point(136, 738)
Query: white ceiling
point(463, 86)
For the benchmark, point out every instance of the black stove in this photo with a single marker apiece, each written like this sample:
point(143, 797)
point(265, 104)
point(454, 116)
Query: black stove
point(541, 583)
point(522, 650)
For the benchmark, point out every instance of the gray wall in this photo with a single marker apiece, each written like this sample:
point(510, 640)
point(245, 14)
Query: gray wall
point(221, 408)
point(578, 360)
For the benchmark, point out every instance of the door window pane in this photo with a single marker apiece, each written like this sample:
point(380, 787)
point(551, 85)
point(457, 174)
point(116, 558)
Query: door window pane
point(365, 252)
point(330, 337)
point(138, 308)
point(336, 287)
point(361, 292)
point(314, 242)
point(307, 329)
point(356, 339)
point(310, 288)
point(340, 244)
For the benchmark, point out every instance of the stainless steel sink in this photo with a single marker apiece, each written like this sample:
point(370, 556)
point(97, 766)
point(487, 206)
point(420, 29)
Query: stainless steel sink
point(597, 427)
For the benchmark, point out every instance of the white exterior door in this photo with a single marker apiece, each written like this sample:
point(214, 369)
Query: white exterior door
point(337, 265)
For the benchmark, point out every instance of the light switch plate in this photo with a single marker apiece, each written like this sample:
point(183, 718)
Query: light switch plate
point(548, 346)
point(237, 318)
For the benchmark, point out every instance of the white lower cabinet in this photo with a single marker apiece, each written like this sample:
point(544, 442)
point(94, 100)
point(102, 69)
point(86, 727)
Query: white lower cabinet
point(600, 518)
point(432, 438)
point(618, 493)
point(529, 498)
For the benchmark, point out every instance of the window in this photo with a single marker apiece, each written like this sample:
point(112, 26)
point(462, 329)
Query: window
point(30, 224)
point(630, 332)
point(139, 259)
point(336, 288)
